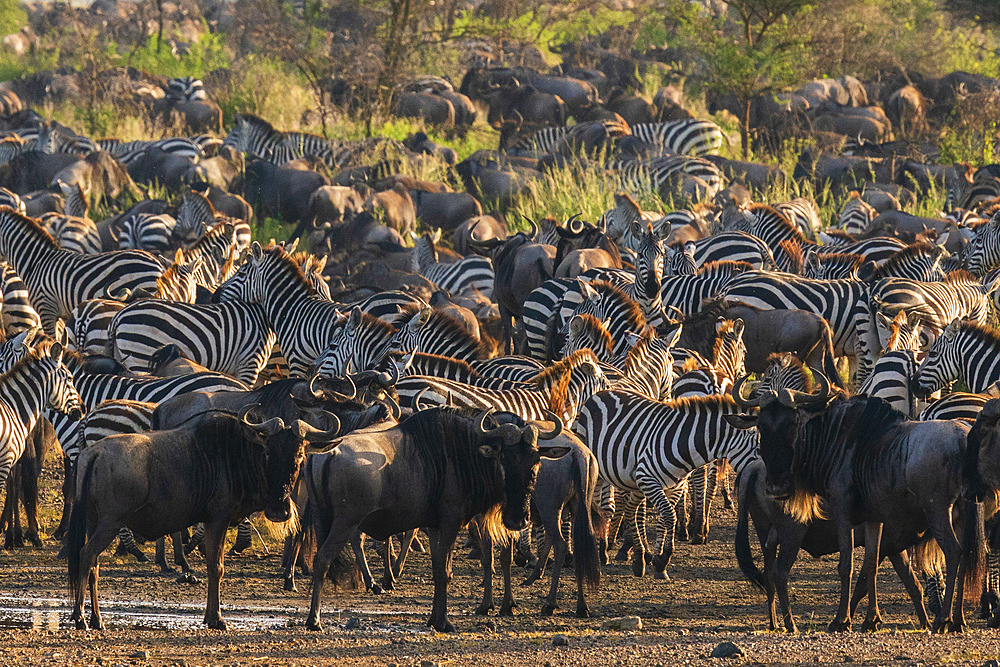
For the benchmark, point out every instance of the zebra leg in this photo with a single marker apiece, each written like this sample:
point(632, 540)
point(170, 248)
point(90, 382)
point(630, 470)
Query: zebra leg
point(687, 497)
point(635, 525)
point(524, 556)
point(652, 488)
point(244, 538)
point(127, 545)
point(29, 497)
point(607, 505)
point(9, 509)
point(933, 588)
point(358, 547)
point(990, 599)
point(197, 540)
point(726, 476)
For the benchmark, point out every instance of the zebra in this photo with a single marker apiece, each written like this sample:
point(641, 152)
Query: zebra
point(584, 331)
point(312, 268)
point(784, 370)
point(802, 213)
point(36, 382)
point(17, 314)
point(11, 147)
point(844, 303)
point(658, 175)
point(434, 332)
point(687, 136)
point(728, 355)
point(966, 351)
point(469, 275)
point(448, 368)
point(686, 293)
point(11, 199)
point(49, 137)
point(917, 261)
point(983, 251)
point(821, 266)
point(648, 368)
point(129, 152)
point(232, 337)
point(360, 345)
point(73, 229)
point(618, 220)
point(958, 405)
point(185, 89)
point(936, 304)
point(606, 302)
point(643, 446)
point(217, 249)
point(147, 231)
point(58, 279)
point(303, 321)
point(515, 368)
point(194, 216)
point(856, 216)
point(891, 379)
point(733, 247)
point(772, 227)
point(255, 136)
point(544, 140)
point(560, 389)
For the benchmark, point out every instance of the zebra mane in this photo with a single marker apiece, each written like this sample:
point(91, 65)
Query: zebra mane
point(779, 219)
point(981, 332)
point(171, 274)
point(840, 234)
point(32, 227)
point(904, 255)
point(562, 368)
point(370, 322)
point(284, 261)
point(724, 327)
point(723, 267)
point(594, 329)
point(440, 321)
point(211, 234)
point(960, 277)
point(692, 403)
point(258, 123)
point(629, 308)
point(796, 258)
point(793, 365)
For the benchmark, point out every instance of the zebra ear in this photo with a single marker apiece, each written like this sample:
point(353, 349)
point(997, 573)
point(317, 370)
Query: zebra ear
point(413, 236)
point(883, 319)
point(255, 251)
point(23, 339)
point(738, 328)
point(61, 336)
point(575, 325)
point(355, 318)
point(636, 229)
point(436, 236)
point(674, 335)
point(719, 323)
point(290, 246)
point(56, 351)
point(952, 329)
point(320, 264)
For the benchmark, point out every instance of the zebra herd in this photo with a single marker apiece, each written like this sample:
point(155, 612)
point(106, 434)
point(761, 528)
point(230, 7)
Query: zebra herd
point(637, 331)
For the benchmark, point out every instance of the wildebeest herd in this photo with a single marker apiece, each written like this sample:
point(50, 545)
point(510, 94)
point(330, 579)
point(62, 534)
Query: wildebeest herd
point(556, 385)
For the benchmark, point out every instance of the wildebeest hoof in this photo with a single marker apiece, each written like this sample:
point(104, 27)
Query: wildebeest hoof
point(96, 623)
point(290, 586)
point(80, 624)
point(582, 611)
point(314, 625)
point(549, 608)
point(167, 570)
point(638, 565)
point(871, 626)
point(532, 578)
point(699, 539)
point(482, 610)
point(217, 624)
point(444, 626)
point(839, 626)
point(623, 553)
point(507, 610)
point(376, 589)
point(661, 575)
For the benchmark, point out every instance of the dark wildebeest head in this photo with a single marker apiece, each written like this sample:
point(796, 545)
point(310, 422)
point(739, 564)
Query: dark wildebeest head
point(513, 444)
point(779, 425)
point(283, 451)
point(982, 472)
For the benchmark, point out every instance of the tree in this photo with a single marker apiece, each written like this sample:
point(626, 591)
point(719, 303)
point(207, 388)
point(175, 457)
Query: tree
point(757, 53)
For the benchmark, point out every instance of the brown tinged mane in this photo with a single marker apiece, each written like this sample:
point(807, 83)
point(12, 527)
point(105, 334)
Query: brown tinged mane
point(32, 227)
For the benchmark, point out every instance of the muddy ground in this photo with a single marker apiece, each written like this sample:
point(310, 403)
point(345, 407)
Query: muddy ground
point(153, 619)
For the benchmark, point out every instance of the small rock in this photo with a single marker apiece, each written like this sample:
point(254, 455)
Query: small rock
point(727, 650)
point(991, 663)
point(848, 658)
point(353, 623)
point(902, 656)
point(428, 663)
point(141, 655)
point(560, 640)
point(623, 623)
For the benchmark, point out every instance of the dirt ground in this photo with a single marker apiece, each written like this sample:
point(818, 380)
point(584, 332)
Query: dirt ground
point(153, 619)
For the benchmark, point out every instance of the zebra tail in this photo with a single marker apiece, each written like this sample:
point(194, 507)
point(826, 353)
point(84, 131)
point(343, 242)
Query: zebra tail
point(76, 535)
point(585, 553)
point(743, 554)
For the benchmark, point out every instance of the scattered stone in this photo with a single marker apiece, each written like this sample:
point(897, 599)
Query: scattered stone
point(728, 650)
point(428, 663)
point(848, 658)
point(353, 623)
point(991, 663)
point(560, 640)
point(623, 623)
point(141, 655)
point(902, 656)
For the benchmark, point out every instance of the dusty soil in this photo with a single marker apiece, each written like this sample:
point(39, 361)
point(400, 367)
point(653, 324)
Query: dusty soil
point(153, 619)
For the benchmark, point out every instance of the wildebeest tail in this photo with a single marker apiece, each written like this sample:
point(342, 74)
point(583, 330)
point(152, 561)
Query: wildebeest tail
point(76, 534)
point(973, 563)
point(829, 362)
point(585, 552)
point(745, 483)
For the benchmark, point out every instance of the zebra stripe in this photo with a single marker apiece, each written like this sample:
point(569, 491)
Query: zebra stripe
point(687, 136)
point(17, 313)
point(466, 276)
point(965, 351)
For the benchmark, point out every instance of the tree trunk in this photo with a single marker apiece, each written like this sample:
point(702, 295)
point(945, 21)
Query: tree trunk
point(745, 129)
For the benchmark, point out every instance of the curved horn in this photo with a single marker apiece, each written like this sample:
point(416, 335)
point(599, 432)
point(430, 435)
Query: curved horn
point(534, 225)
point(796, 398)
point(246, 411)
point(269, 427)
point(416, 401)
point(316, 393)
point(346, 397)
point(554, 433)
point(680, 313)
point(309, 433)
point(575, 225)
point(744, 403)
point(391, 405)
point(481, 422)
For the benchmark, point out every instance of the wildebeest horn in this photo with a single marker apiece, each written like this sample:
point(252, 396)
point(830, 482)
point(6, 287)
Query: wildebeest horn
point(269, 427)
point(744, 403)
point(794, 398)
point(416, 401)
point(575, 225)
point(680, 313)
point(534, 225)
point(310, 433)
point(391, 405)
point(554, 433)
point(481, 422)
point(316, 393)
point(122, 294)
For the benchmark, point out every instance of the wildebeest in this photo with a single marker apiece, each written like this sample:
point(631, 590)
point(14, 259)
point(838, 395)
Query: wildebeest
point(870, 466)
point(437, 470)
point(219, 471)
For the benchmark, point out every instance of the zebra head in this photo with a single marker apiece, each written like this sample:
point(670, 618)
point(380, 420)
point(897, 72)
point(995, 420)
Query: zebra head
point(425, 250)
point(14, 349)
point(648, 260)
point(784, 371)
point(407, 339)
point(943, 362)
point(904, 332)
point(983, 251)
point(359, 345)
point(63, 396)
point(730, 350)
point(585, 331)
point(680, 261)
point(247, 284)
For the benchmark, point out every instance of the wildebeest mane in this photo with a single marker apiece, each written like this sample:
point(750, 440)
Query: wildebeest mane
point(446, 436)
point(225, 451)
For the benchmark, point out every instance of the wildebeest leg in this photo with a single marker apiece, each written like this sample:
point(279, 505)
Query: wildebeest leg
point(161, 556)
point(788, 551)
point(10, 508)
point(29, 497)
point(442, 550)
point(555, 537)
point(901, 563)
point(96, 622)
point(404, 549)
point(96, 543)
point(290, 554)
point(506, 560)
point(337, 534)
point(388, 581)
point(845, 568)
point(179, 558)
point(725, 481)
point(873, 539)
point(486, 558)
point(215, 547)
point(68, 489)
point(358, 546)
point(943, 531)
point(544, 547)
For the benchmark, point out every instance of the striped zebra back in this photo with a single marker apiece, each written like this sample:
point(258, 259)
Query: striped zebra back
point(17, 313)
point(253, 136)
point(687, 292)
point(686, 136)
point(857, 215)
point(956, 405)
point(78, 235)
point(890, 380)
point(186, 89)
point(656, 175)
point(88, 325)
point(734, 247)
point(433, 332)
point(918, 261)
point(8, 198)
point(586, 332)
point(115, 417)
point(802, 213)
point(436, 366)
point(648, 368)
point(388, 305)
point(147, 231)
point(542, 141)
point(11, 147)
point(513, 368)
point(936, 304)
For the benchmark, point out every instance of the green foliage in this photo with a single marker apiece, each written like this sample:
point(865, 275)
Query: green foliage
point(271, 228)
point(208, 54)
point(12, 16)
